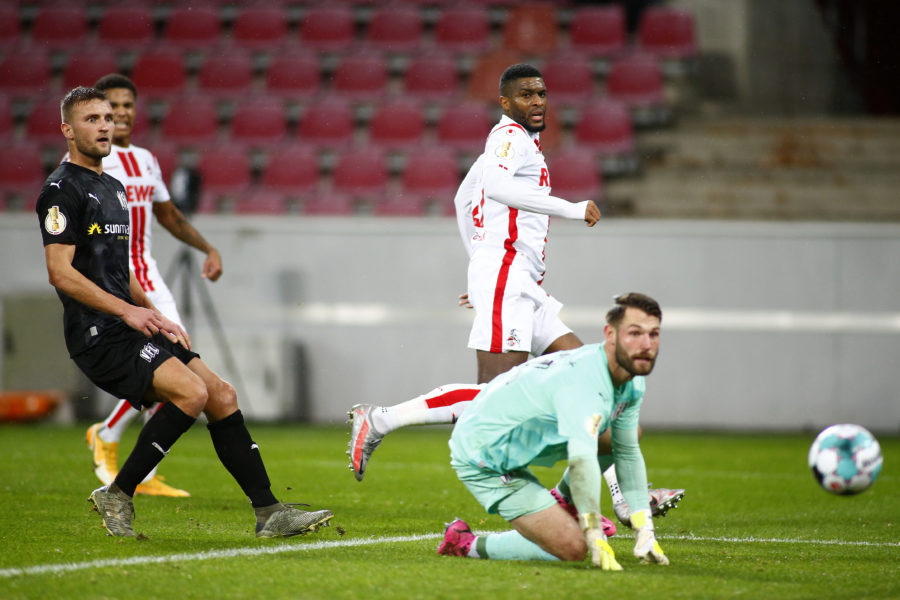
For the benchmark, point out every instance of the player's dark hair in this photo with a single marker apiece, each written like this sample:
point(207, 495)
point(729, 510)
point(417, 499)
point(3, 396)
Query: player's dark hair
point(78, 95)
point(514, 72)
point(636, 300)
point(116, 80)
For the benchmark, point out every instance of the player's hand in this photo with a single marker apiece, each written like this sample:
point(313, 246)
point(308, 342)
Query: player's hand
point(591, 213)
point(646, 547)
point(174, 332)
point(602, 554)
point(147, 321)
point(212, 266)
point(463, 301)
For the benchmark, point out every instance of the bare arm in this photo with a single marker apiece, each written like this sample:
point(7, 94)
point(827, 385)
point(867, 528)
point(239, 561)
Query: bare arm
point(177, 224)
point(144, 317)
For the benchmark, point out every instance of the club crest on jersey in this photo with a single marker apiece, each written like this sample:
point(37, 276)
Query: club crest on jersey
point(505, 151)
point(55, 222)
point(513, 338)
point(148, 352)
point(594, 425)
point(123, 199)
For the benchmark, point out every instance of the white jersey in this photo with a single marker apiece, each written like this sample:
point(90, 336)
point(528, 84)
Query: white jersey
point(504, 203)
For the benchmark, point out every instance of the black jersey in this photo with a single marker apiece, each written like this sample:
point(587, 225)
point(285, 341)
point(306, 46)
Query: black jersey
point(77, 206)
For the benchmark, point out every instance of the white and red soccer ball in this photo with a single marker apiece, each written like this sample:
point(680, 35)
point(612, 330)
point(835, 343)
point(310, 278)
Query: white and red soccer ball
point(845, 459)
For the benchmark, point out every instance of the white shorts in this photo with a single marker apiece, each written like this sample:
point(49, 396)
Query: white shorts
point(512, 312)
point(162, 299)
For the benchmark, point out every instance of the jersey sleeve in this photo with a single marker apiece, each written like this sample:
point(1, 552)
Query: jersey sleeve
point(463, 203)
point(505, 153)
point(58, 214)
point(160, 191)
point(630, 467)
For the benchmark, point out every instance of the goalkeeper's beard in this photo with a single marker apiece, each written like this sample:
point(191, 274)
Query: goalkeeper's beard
point(628, 362)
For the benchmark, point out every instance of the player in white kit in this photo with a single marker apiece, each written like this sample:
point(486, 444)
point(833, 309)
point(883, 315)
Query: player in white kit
point(139, 172)
point(503, 209)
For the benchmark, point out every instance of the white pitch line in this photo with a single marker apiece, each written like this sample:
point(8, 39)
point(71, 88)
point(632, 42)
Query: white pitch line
point(257, 551)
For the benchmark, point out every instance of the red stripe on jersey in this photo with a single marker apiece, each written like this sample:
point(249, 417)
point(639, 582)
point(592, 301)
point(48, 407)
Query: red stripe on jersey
point(139, 265)
point(452, 397)
point(125, 164)
point(134, 163)
point(502, 276)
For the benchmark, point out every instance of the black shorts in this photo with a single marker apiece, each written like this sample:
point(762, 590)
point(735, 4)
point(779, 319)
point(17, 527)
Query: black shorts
point(122, 363)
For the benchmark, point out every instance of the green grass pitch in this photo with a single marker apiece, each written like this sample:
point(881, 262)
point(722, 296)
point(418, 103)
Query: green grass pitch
point(753, 524)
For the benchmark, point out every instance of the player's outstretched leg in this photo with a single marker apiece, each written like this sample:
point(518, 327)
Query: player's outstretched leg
point(104, 455)
point(364, 438)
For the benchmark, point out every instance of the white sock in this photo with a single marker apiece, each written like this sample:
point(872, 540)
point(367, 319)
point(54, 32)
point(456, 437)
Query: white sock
point(441, 405)
point(613, 482)
point(117, 421)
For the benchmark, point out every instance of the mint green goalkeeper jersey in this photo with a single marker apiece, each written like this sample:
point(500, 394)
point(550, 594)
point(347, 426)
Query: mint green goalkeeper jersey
point(548, 409)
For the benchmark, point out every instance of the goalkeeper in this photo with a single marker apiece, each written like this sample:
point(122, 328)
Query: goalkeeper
point(554, 408)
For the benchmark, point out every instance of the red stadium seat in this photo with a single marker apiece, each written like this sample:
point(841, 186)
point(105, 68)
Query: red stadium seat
point(636, 80)
point(293, 76)
point(191, 27)
point(605, 126)
point(667, 33)
point(261, 202)
point(87, 64)
point(327, 123)
point(292, 170)
point(463, 29)
point(21, 170)
point(394, 29)
point(361, 172)
point(260, 27)
point(432, 77)
point(329, 204)
point(398, 124)
point(575, 175)
point(485, 75)
point(60, 27)
point(191, 120)
point(43, 124)
point(259, 121)
point(569, 78)
point(10, 26)
point(227, 74)
point(399, 205)
point(25, 72)
point(599, 31)
point(465, 126)
point(7, 122)
point(431, 173)
point(159, 73)
point(327, 28)
point(126, 26)
point(531, 29)
point(361, 76)
point(166, 154)
point(225, 170)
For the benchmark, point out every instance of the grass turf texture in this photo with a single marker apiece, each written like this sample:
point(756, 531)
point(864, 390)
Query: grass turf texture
point(754, 524)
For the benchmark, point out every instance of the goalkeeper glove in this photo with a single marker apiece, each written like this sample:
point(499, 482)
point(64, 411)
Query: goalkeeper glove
point(602, 554)
point(645, 545)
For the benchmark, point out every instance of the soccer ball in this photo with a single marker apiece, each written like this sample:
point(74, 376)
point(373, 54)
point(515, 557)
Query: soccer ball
point(845, 459)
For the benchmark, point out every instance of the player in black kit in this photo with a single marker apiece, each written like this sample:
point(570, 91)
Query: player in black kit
point(123, 344)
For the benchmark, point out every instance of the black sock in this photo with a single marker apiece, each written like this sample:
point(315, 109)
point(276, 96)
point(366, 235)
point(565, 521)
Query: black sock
point(153, 443)
point(241, 457)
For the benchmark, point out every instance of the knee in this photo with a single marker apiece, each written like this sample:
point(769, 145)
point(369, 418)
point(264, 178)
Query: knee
point(194, 397)
point(572, 548)
point(222, 399)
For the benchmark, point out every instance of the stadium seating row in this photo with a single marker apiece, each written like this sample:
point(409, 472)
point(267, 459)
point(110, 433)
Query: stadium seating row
point(360, 177)
point(529, 28)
